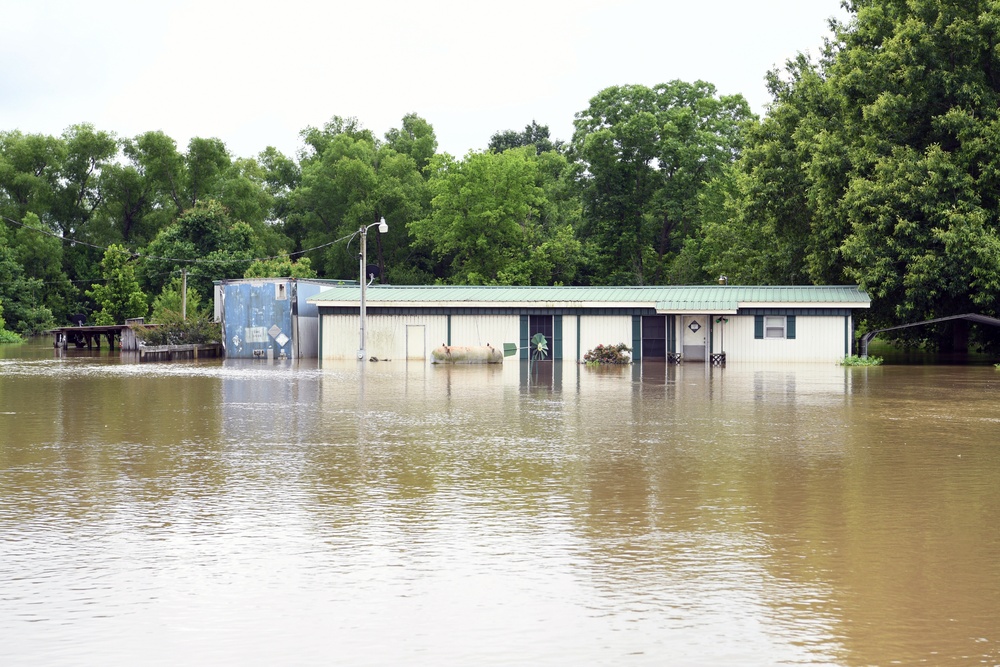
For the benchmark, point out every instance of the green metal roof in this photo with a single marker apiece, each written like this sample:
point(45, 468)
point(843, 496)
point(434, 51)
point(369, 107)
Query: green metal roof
point(699, 298)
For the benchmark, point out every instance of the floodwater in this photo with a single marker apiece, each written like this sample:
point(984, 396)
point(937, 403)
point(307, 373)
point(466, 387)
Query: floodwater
point(247, 513)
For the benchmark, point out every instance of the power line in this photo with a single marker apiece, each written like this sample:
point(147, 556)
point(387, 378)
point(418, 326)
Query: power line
point(92, 280)
point(137, 255)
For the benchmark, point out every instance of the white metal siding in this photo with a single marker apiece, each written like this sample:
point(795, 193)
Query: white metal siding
point(475, 330)
point(603, 330)
point(386, 335)
point(817, 339)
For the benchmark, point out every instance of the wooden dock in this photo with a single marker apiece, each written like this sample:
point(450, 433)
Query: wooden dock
point(175, 352)
point(88, 336)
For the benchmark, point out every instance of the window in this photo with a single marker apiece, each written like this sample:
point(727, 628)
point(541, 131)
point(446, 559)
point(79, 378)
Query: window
point(774, 326)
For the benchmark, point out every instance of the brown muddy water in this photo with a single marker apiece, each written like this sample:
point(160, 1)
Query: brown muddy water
point(246, 513)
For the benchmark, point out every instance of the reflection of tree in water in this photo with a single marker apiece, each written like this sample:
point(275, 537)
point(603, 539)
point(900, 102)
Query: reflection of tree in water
point(114, 435)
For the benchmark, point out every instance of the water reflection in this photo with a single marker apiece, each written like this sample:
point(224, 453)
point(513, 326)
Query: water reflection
point(241, 511)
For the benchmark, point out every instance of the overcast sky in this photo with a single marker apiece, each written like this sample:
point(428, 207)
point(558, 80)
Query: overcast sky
point(256, 73)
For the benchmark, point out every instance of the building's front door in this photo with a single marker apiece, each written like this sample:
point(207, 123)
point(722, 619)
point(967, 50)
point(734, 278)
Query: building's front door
point(695, 333)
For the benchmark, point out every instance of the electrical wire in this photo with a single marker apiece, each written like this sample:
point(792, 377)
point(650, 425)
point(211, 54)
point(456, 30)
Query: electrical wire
point(138, 255)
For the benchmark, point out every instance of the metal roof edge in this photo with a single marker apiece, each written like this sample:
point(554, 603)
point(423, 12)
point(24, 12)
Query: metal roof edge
point(805, 304)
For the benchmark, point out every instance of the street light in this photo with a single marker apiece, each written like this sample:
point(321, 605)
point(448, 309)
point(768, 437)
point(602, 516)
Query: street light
point(382, 228)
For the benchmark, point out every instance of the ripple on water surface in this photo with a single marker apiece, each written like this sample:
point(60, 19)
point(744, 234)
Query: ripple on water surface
point(244, 513)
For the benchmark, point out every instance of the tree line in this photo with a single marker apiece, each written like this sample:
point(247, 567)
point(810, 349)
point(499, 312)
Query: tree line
point(876, 163)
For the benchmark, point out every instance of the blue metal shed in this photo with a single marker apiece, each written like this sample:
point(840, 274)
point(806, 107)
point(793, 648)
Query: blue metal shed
point(270, 318)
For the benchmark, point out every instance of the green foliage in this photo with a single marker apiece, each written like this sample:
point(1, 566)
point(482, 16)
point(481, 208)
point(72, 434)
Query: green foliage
point(880, 165)
point(168, 306)
point(609, 354)
point(349, 181)
point(6, 336)
point(21, 294)
point(41, 255)
point(647, 155)
point(120, 297)
point(492, 221)
point(225, 249)
point(854, 360)
point(9, 337)
point(174, 331)
point(534, 135)
point(414, 138)
point(281, 266)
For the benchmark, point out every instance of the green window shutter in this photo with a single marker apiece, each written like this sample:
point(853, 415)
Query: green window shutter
point(636, 338)
point(758, 326)
point(671, 333)
point(790, 326)
point(524, 337)
point(557, 337)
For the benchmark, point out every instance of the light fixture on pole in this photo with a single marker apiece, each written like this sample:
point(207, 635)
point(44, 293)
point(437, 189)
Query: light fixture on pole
point(382, 228)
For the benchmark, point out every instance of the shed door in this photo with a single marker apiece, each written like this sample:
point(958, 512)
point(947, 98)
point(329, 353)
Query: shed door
point(694, 335)
point(415, 342)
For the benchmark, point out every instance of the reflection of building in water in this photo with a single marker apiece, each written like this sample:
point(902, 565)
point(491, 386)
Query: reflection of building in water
point(689, 324)
point(272, 405)
point(543, 374)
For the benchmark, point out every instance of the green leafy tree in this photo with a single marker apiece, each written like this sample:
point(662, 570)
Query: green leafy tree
point(156, 157)
point(757, 228)
point(143, 192)
point(20, 293)
point(206, 162)
point(646, 155)
point(487, 222)
point(169, 306)
point(281, 266)
point(880, 164)
point(533, 135)
point(30, 172)
point(5, 335)
point(129, 204)
point(336, 195)
point(281, 175)
point(415, 138)
point(119, 297)
point(87, 153)
point(205, 242)
point(350, 180)
point(40, 255)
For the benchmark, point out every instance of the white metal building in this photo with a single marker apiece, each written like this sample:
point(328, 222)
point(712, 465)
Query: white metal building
point(748, 324)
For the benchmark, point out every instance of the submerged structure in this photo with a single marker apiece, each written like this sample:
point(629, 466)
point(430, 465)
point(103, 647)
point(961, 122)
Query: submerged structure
point(269, 318)
point(690, 324)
